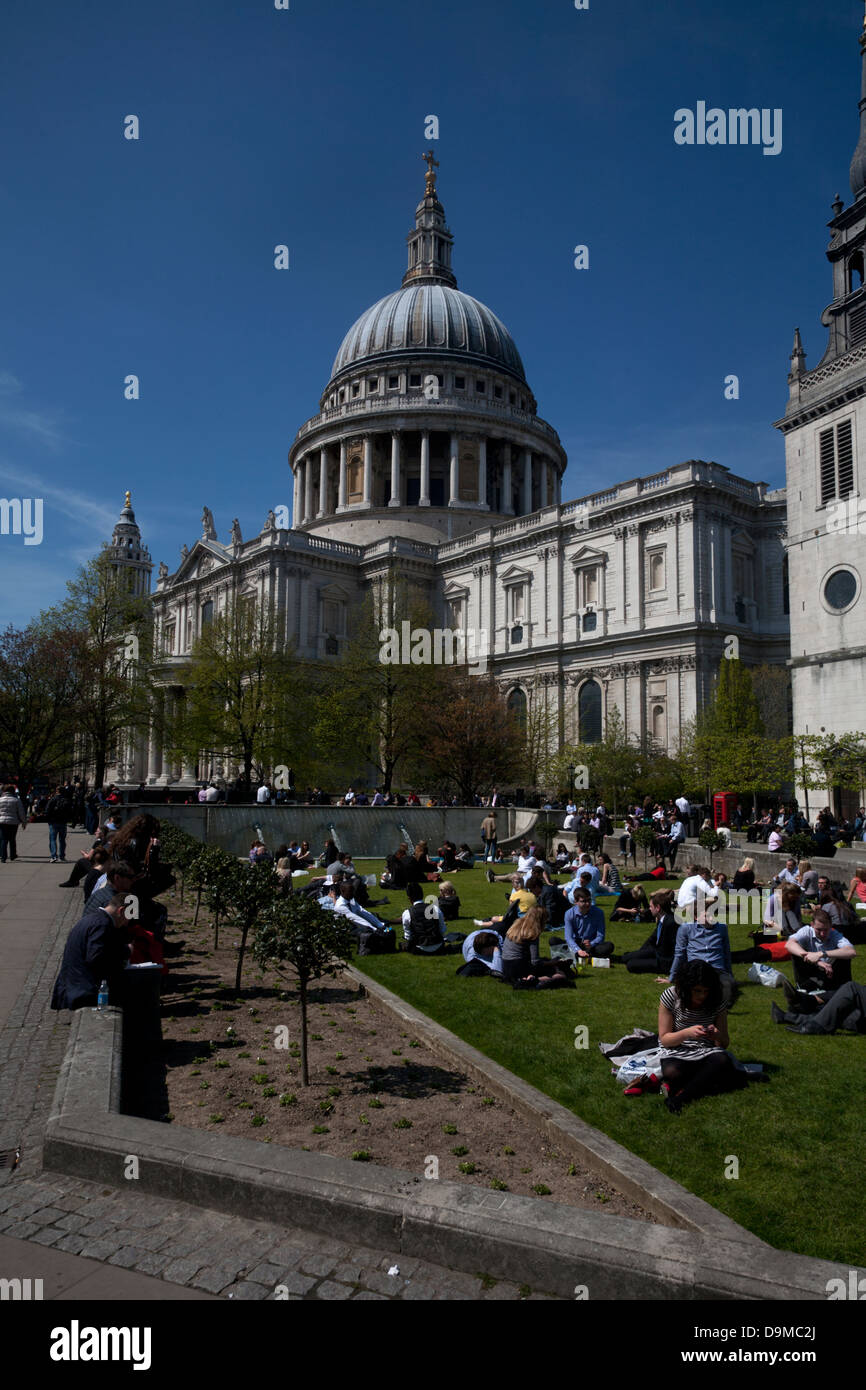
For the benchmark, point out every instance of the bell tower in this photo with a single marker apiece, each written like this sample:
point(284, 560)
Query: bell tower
point(825, 459)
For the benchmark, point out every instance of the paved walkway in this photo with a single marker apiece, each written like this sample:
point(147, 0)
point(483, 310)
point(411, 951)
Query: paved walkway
point(90, 1242)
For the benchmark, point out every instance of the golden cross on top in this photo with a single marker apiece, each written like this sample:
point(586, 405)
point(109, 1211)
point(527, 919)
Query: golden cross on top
point(430, 177)
point(127, 499)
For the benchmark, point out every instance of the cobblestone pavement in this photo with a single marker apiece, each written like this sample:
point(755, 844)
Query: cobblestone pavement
point(221, 1255)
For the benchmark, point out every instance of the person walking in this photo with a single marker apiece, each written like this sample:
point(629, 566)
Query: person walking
point(58, 813)
point(12, 814)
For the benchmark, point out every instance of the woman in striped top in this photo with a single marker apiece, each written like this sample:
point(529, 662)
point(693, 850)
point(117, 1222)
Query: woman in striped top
point(693, 1035)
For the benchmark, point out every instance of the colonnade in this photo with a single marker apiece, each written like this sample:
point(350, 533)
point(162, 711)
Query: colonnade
point(334, 478)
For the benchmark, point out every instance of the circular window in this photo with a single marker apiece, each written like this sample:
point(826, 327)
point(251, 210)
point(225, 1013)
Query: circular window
point(840, 590)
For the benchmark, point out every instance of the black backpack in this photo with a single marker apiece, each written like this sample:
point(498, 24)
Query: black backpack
point(377, 943)
point(424, 928)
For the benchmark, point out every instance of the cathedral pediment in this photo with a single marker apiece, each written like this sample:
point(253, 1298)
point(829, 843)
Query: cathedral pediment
point(204, 557)
point(587, 555)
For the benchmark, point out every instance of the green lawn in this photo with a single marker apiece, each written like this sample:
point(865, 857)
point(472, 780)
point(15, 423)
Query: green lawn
point(797, 1139)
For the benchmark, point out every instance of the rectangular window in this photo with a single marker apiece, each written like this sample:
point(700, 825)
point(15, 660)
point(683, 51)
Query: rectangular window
point(356, 387)
point(744, 570)
point(168, 639)
point(518, 603)
point(372, 385)
point(590, 585)
point(331, 615)
point(393, 383)
point(206, 613)
point(512, 397)
point(497, 391)
point(481, 387)
point(456, 613)
point(415, 379)
point(836, 462)
point(460, 383)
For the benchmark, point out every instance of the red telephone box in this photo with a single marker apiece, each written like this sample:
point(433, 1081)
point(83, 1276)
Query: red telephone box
point(724, 806)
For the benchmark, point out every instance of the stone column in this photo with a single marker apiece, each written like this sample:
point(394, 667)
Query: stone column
point(296, 497)
point(394, 500)
point(323, 482)
point(341, 498)
point(542, 499)
point(454, 475)
point(424, 498)
point(482, 472)
point(506, 480)
point(368, 469)
point(527, 481)
point(308, 488)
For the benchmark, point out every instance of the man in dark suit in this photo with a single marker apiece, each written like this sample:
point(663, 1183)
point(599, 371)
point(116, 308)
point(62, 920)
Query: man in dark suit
point(95, 950)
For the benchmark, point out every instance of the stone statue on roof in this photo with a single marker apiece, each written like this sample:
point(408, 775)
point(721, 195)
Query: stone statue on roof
point(208, 530)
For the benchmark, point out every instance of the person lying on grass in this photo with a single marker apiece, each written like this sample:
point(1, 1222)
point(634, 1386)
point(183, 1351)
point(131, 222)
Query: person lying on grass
point(521, 964)
point(693, 1037)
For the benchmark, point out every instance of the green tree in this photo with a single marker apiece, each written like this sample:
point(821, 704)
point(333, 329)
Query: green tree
point(251, 894)
point(39, 689)
point(247, 696)
point(296, 931)
point(471, 738)
point(111, 630)
point(372, 700)
point(734, 708)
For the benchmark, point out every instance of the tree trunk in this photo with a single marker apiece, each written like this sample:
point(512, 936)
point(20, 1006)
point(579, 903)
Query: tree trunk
point(241, 953)
point(305, 1070)
point(216, 929)
point(197, 904)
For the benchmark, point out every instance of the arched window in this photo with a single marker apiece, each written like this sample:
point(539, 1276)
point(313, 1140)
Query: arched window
point(207, 613)
point(589, 712)
point(517, 706)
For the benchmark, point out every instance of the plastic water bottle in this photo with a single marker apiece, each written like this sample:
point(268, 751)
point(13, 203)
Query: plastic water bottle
point(102, 997)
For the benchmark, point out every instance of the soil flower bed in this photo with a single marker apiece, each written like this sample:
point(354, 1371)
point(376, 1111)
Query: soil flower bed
point(377, 1093)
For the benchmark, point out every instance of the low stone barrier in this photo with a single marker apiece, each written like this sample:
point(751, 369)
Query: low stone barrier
point(553, 1248)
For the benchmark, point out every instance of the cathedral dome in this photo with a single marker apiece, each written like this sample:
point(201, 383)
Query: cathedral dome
point(429, 317)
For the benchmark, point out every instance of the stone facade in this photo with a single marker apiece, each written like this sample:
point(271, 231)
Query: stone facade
point(428, 453)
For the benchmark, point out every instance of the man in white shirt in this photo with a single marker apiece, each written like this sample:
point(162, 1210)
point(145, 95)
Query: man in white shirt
point(683, 806)
point(693, 887)
point(263, 795)
point(212, 794)
point(676, 837)
point(349, 798)
point(788, 874)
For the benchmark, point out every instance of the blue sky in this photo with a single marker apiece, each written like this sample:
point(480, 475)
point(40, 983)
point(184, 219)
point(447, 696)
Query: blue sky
point(305, 127)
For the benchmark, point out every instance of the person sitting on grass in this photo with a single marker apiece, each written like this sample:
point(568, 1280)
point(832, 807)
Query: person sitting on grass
point(705, 939)
point(656, 955)
point(449, 902)
point(585, 928)
point(465, 857)
point(693, 1036)
point(822, 957)
point(423, 924)
point(632, 905)
point(846, 1009)
point(744, 878)
point(258, 852)
point(521, 964)
point(482, 953)
point(519, 903)
point(610, 882)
